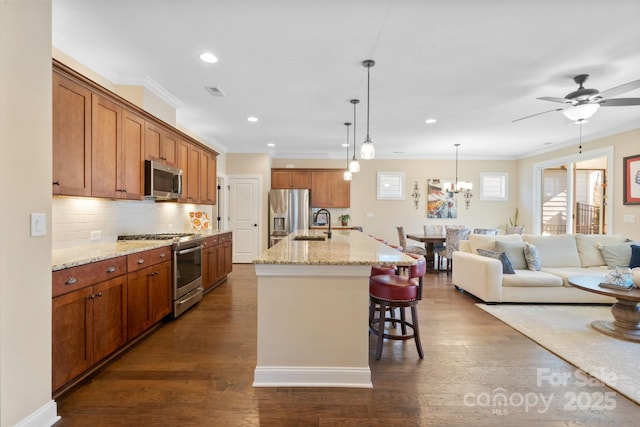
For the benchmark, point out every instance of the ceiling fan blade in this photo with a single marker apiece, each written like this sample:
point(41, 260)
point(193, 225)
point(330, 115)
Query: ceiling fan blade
point(537, 114)
point(615, 91)
point(554, 99)
point(620, 102)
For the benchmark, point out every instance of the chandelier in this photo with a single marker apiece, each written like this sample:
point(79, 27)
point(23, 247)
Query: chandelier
point(461, 187)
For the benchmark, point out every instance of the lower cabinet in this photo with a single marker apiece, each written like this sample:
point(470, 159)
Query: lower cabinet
point(218, 264)
point(148, 297)
point(87, 325)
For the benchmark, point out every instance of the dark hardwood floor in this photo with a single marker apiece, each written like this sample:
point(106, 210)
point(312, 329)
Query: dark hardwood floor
point(198, 371)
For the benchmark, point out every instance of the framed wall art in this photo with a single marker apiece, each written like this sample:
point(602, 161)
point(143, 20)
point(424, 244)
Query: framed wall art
point(631, 180)
point(441, 203)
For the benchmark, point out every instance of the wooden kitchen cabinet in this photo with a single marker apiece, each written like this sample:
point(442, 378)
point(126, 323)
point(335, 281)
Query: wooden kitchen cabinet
point(71, 137)
point(225, 255)
point(188, 157)
point(159, 144)
point(290, 179)
point(89, 320)
point(329, 189)
point(149, 289)
point(208, 178)
point(117, 151)
point(210, 263)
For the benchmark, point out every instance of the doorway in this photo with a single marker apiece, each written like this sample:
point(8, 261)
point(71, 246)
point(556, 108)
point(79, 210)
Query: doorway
point(244, 217)
point(571, 194)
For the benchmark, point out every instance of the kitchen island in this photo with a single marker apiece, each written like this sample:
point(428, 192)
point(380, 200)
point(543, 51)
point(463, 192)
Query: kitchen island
point(313, 308)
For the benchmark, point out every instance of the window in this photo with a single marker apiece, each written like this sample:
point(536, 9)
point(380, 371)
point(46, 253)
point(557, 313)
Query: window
point(494, 186)
point(390, 185)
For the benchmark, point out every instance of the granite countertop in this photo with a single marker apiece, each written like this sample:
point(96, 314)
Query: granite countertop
point(346, 247)
point(80, 255)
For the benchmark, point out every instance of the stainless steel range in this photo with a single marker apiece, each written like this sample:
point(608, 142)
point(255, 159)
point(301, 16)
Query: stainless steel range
point(187, 267)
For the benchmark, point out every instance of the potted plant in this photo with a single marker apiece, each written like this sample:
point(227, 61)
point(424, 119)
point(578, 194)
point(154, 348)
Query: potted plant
point(344, 219)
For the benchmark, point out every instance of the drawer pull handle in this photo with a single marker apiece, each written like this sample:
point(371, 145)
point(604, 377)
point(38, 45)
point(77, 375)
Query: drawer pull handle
point(71, 281)
point(140, 261)
point(163, 255)
point(111, 269)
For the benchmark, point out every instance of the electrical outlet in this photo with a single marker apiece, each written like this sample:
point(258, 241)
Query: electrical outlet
point(96, 235)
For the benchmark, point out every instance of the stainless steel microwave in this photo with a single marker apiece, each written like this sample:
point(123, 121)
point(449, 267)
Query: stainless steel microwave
point(162, 182)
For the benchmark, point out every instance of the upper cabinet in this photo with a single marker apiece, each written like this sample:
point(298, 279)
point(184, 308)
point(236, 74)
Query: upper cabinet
point(71, 137)
point(100, 142)
point(329, 189)
point(290, 178)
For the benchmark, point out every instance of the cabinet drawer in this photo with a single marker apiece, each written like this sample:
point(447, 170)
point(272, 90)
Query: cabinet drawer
point(210, 241)
point(144, 259)
point(71, 279)
point(226, 237)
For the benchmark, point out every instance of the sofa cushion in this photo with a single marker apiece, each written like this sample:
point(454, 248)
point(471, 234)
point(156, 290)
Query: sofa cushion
point(532, 256)
point(565, 272)
point(515, 253)
point(528, 278)
point(501, 256)
point(618, 254)
point(488, 242)
point(635, 256)
point(589, 247)
point(555, 251)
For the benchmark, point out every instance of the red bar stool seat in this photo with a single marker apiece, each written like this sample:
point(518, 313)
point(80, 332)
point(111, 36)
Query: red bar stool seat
point(389, 291)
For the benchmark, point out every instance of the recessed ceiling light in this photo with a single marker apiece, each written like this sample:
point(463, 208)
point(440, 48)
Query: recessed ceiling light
point(271, 144)
point(345, 144)
point(208, 57)
point(252, 119)
point(430, 121)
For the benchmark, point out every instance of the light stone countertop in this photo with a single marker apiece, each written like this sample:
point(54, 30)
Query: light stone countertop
point(80, 255)
point(346, 247)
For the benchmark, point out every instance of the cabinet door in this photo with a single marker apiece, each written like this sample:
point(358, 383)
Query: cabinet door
point(106, 119)
point(228, 257)
point(182, 159)
point(71, 138)
point(168, 148)
point(72, 333)
point(208, 178)
point(340, 190)
point(193, 170)
point(131, 166)
point(210, 264)
point(152, 141)
point(138, 313)
point(160, 292)
point(109, 317)
point(321, 189)
point(300, 179)
point(280, 180)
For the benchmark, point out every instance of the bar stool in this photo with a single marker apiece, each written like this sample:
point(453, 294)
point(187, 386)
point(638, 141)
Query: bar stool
point(393, 291)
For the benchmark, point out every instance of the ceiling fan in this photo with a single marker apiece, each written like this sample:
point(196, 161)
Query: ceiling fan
point(583, 103)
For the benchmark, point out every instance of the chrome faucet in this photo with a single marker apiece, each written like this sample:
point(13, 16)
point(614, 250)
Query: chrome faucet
point(315, 218)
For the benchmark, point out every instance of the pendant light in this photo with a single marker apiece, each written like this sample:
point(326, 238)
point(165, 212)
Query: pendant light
point(367, 151)
point(347, 176)
point(354, 166)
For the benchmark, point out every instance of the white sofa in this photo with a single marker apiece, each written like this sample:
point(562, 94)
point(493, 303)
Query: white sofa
point(560, 257)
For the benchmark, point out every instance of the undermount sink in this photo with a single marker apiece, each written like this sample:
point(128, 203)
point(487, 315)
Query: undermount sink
point(307, 237)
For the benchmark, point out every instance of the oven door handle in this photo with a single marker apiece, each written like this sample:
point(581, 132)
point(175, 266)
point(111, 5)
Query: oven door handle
point(188, 251)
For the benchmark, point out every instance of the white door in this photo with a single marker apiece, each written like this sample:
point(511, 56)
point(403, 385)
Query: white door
point(244, 217)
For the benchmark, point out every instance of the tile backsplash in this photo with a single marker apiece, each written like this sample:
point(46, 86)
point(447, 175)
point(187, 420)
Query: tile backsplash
point(74, 219)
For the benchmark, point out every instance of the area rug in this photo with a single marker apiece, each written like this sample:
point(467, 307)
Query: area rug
point(566, 331)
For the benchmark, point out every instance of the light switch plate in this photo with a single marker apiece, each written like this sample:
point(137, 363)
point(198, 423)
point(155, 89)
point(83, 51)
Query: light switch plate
point(38, 224)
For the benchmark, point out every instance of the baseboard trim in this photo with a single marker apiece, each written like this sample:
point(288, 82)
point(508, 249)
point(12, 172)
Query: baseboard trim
point(287, 376)
point(46, 415)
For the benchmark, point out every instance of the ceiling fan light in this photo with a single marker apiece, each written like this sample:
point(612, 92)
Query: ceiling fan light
point(367, 151)
point(354, 166)
point(581, 111)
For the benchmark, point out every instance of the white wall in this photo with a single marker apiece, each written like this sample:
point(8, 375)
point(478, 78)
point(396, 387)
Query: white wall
point(25, 168)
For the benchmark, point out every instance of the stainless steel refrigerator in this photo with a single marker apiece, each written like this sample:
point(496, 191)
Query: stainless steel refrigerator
point(289, 210)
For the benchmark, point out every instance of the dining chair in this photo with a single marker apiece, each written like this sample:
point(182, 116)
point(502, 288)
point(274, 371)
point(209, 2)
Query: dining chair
point(437, 230)
point(452, 242)
point(486, 231)
point(413, 249)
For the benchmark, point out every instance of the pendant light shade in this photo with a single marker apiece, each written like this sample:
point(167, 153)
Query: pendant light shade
point(347, 175)
point(367, 151)
point(354, 166)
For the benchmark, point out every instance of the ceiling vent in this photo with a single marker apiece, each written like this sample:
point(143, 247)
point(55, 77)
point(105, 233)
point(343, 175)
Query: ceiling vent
point(214, 91)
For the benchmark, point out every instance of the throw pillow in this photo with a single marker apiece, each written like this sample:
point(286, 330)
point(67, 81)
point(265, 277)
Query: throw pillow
point(500, 256)
point(531, 255)
point(515, 253)
point(615, 255)
point(635, 256)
